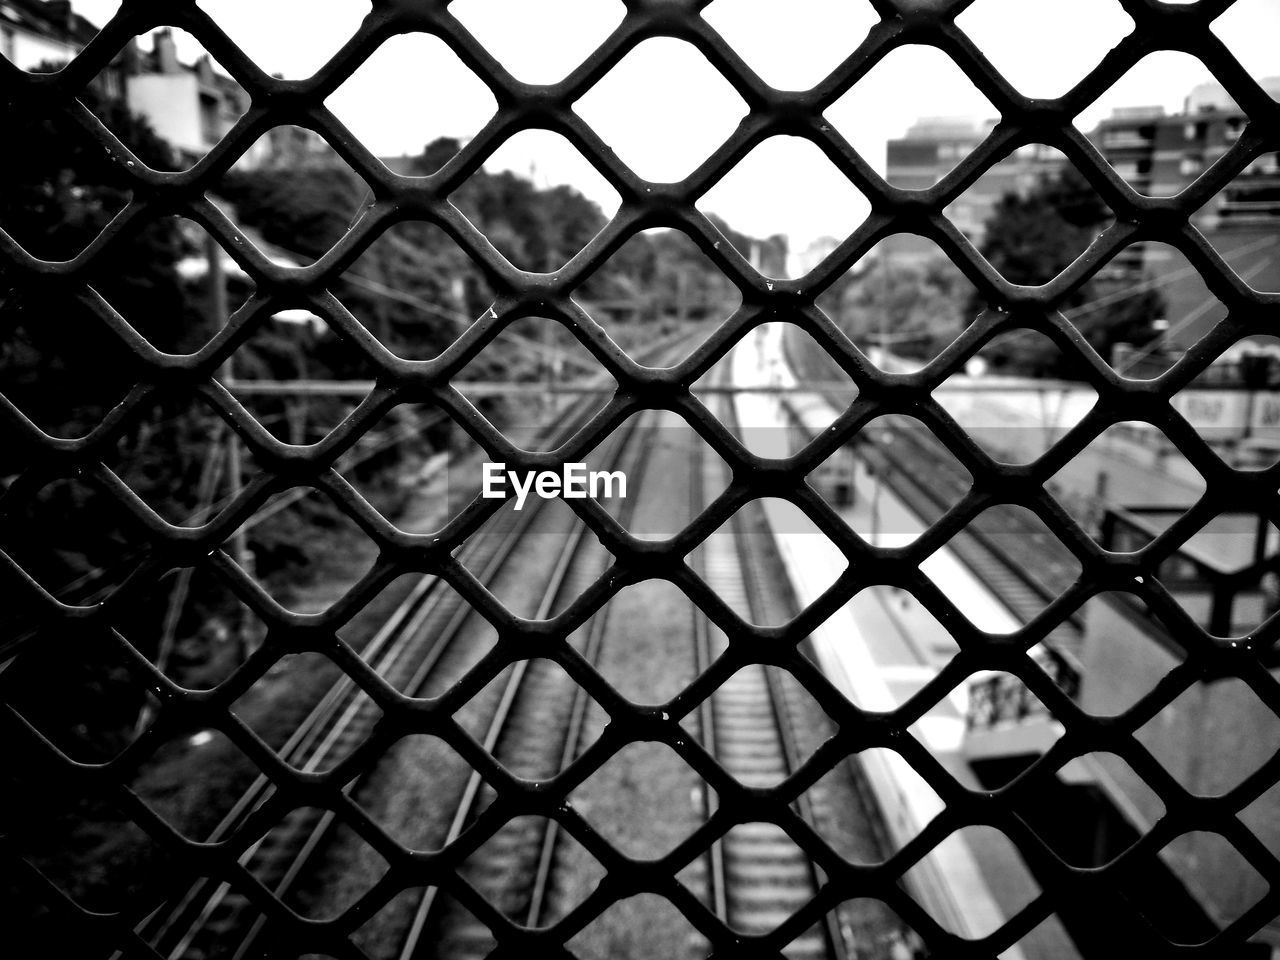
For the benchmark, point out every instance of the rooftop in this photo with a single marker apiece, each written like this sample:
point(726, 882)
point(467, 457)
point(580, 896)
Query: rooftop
point(54, 19)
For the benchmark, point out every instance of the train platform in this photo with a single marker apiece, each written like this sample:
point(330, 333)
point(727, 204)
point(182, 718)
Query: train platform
point(881, 649)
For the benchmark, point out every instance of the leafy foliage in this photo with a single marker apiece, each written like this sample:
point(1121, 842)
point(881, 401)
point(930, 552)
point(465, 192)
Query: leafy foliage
point(913, 309)
point(1032, 238)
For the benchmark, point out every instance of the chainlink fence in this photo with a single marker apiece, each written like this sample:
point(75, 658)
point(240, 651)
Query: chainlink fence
point(395, 199)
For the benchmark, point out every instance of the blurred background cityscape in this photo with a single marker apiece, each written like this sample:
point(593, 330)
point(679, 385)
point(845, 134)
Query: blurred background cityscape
point(785, 209)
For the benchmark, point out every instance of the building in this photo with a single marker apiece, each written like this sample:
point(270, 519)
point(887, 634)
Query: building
point(33, 32)
point(190, 105)
point(1209, 738)
point(40, 33)
point(1160, 154)
point(194, 105)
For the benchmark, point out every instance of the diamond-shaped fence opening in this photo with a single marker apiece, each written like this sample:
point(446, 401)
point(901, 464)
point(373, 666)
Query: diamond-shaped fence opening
point(399, 703)
point(1210, 405)
point(543, 43)
point(348, 873)
point(190, 624)
point(140, 867)
point(815, 198)
point(634, 106)
point(326, 36)
point(541, 354)
point(1020, 396)
point(424, 766)
point(292, 685)
point(1048, 214)
point(1153, 296)
point(830, 32)
point(291, 197)
point(278, 348)
point(415, 290)
point(1095, 482)
point(72, 536)
point(1111, 683)
point(904, 298)
point(1015, 531)
point(977, 843)
point(1210, 852)
point(936, 144)
point(423, 61)
point(307, 553)
point(500, 869)
point(1232, 214)
point(664, 517)
point(59, 221)
point(1129, 136)
point(753, 522)
point(1017, 43)
point(807, 360)
point(380, 935)
point(658, 282)
point(170, 65)
point(103, 706)
point(1001, 700)
point(627, 921)
point(543, 158)
point(662, 608)
point(1079, 784)
point(751, 849)
point(56, 338)
point(172, 786)
point(1234, 27)
point(854, 830)
point(552, 697)
point(641, 777)
point(1190, 716)
point(169, 275)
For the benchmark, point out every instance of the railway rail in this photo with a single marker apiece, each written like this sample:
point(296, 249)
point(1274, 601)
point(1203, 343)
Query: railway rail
point(756, 877)
point(1024, 565)
point(535, 733)
point(415, 646)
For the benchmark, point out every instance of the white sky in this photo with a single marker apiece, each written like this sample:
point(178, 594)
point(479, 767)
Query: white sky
point(664, 109)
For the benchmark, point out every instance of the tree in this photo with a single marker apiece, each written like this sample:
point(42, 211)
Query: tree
point(914, 309)
point(58, 363)
point(1032, 238)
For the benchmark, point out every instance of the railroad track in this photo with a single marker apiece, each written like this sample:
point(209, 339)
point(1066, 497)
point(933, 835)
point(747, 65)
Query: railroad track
point(1021, 562)
point(535, 733)
point(756, 877)
point(413, 646)
point(416, 647)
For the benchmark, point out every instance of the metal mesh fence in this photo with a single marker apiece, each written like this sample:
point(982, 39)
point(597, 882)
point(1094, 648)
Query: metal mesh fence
point(1158, 26)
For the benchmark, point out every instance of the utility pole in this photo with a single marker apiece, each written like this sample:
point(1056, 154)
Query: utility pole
point(219, 313)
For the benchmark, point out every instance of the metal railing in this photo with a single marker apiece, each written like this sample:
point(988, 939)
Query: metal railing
point(644, 205)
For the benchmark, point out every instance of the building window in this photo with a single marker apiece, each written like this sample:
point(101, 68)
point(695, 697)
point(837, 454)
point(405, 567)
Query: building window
point(1235, 126)
point(1191, 165)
